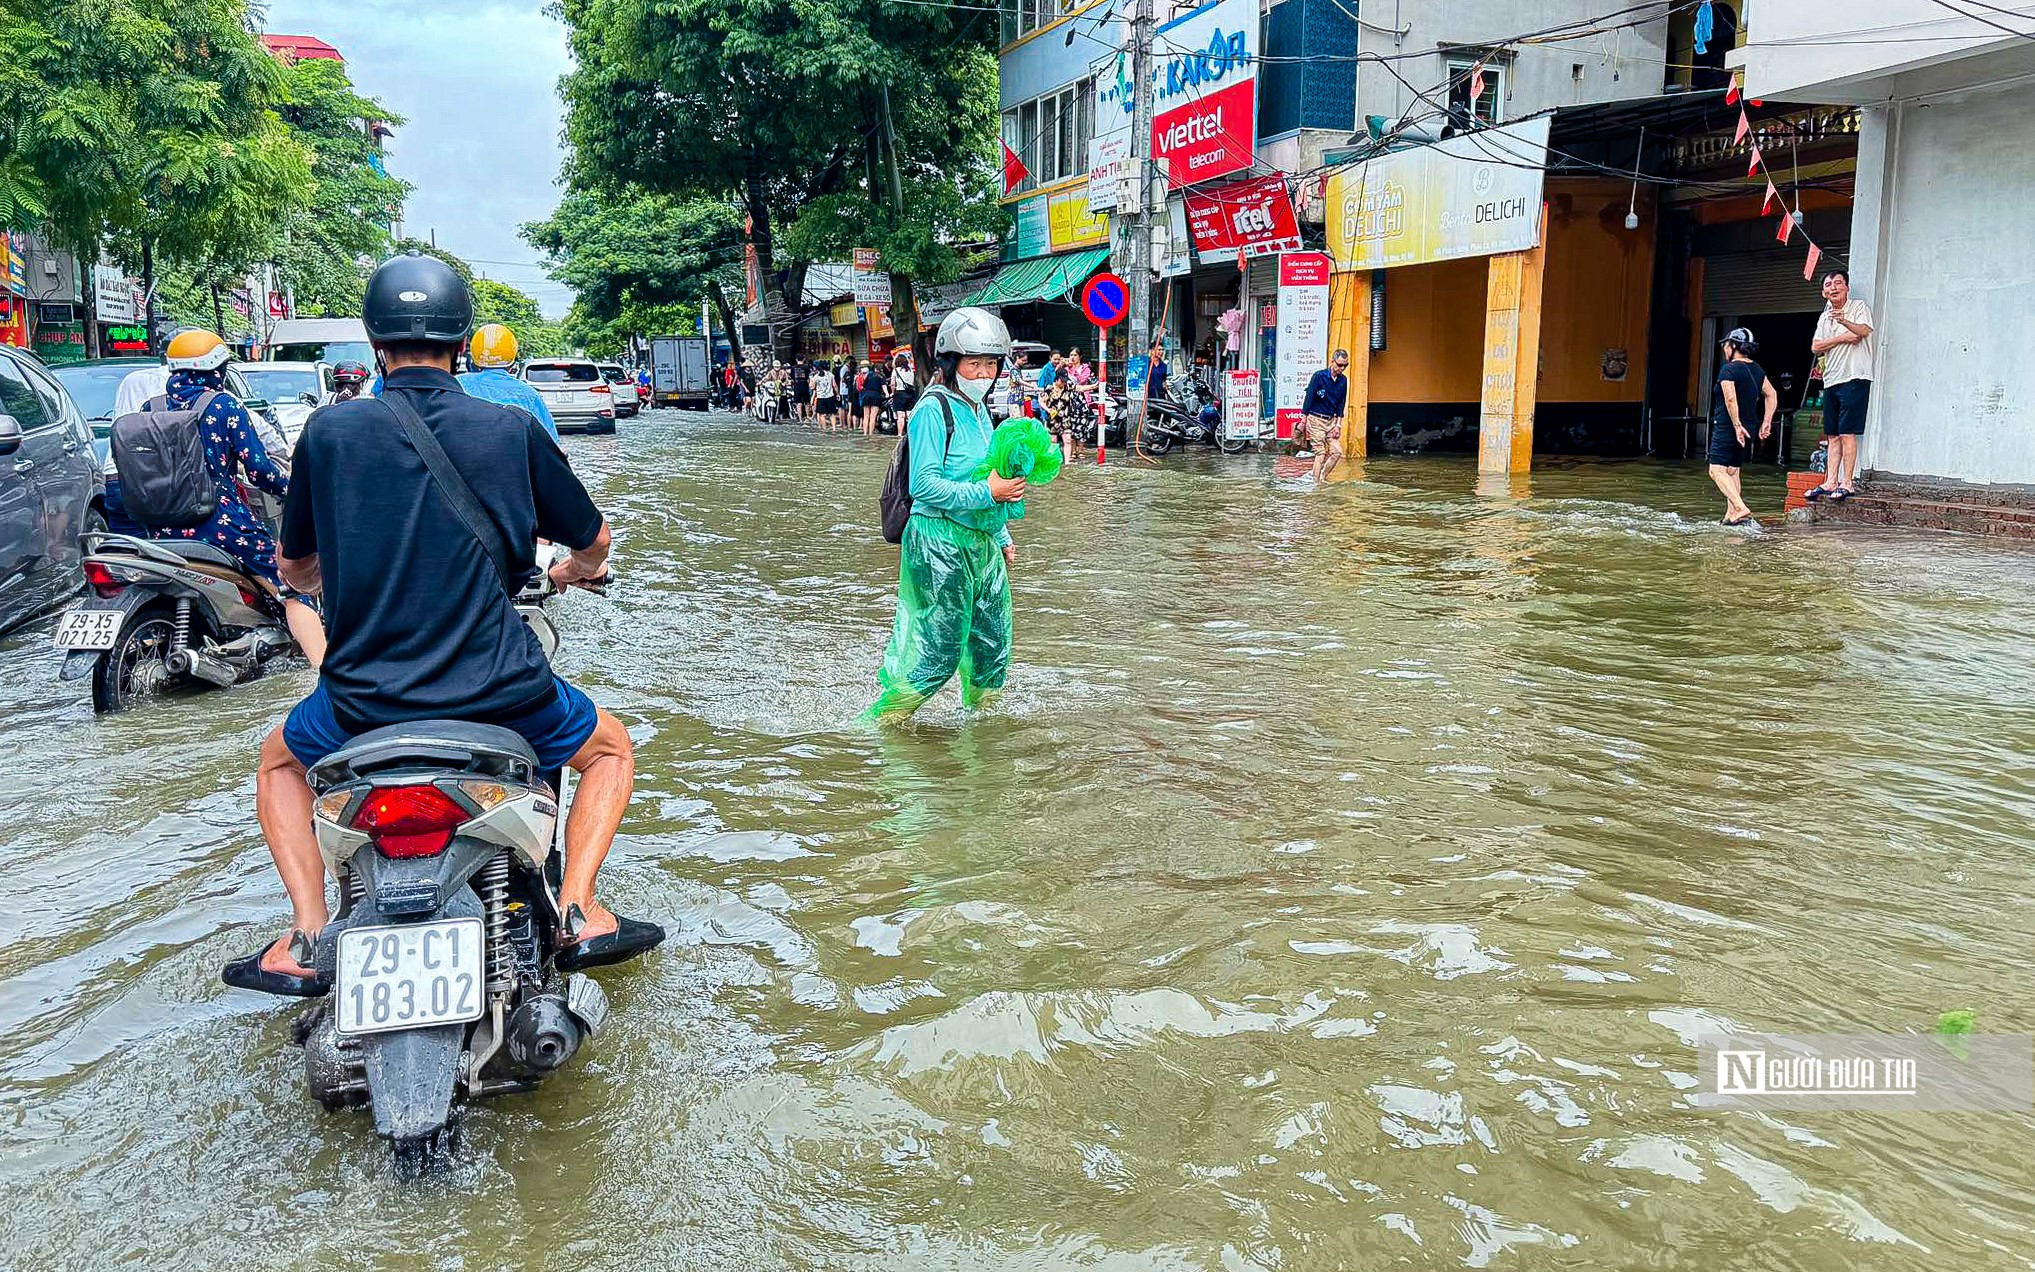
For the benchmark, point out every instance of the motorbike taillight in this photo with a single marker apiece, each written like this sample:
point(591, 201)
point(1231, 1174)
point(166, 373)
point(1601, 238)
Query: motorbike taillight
point(102, 579)
point(409, 821)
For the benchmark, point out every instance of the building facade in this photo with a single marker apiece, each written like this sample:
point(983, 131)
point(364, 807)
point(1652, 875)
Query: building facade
point(1940, 244)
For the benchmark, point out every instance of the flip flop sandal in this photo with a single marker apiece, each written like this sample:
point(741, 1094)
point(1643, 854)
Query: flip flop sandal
point(630, 938)
point(1742, 521)
point(1840, 495)
point(248, 973)
point(1813, 493)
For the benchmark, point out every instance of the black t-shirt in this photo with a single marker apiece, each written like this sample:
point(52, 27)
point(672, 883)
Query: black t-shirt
point(1751, 383)
point(418, 622)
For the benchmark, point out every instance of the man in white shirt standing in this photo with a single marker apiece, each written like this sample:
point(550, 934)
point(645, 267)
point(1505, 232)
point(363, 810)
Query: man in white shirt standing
point(139, 387)
point(1844, 339)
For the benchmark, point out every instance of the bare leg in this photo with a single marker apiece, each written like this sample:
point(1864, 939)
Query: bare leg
point(1727, 482)
point(1849, 445)
point(1334, 450)
point(1833, 446)
point(308, 629)
point(282, 802)
point(607, 774)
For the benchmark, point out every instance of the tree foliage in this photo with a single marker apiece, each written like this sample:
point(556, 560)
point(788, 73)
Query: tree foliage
point(786, 111)
point(153, 123)
point(639, 263)
point(319, 249)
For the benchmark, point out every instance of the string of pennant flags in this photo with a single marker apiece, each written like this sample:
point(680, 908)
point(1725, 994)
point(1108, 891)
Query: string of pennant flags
point(1755, 165)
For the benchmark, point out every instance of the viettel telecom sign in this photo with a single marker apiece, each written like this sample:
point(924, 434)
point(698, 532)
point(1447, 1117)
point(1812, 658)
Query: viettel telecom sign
point(1205, 91)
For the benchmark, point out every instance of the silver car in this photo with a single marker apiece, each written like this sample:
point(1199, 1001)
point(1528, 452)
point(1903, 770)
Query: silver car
point(579, 396)
point(50, 489)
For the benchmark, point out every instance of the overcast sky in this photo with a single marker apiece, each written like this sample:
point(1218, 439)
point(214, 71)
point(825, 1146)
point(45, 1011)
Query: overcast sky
point(477, 80)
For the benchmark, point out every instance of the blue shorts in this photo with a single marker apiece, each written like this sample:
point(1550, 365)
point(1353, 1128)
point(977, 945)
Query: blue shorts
point(556, 730)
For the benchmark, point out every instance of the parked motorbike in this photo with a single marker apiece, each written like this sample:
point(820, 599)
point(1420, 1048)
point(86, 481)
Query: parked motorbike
point(450, 970)
point(1187, 414)
point(166, 615)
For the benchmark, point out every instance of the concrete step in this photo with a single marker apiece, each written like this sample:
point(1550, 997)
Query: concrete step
point(1964, 516)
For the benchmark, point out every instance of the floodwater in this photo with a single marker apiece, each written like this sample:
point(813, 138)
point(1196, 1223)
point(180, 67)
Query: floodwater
point(1339, 885)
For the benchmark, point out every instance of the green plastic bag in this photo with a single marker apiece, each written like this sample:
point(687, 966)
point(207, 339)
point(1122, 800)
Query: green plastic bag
point(1022, 448)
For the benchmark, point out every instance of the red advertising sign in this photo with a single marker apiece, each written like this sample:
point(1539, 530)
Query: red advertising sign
point(1247, 218)
point(1208, 137)
point(279, 306)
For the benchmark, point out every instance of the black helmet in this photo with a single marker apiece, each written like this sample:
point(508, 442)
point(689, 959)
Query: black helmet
point(417, 297)
point(349, 373)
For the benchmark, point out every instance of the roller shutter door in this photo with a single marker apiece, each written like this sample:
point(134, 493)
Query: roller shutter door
point(1747, 283)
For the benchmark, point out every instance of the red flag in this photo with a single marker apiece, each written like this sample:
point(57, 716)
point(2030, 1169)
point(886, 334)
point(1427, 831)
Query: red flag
point(1766, 204)
point(1731, 94)
point(1014, 170)
point(1752, 165)
point(1787, 227)
point(1744, 127)
point(1809, 270)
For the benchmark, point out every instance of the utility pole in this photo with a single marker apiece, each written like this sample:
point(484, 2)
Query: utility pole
point(1139, 273)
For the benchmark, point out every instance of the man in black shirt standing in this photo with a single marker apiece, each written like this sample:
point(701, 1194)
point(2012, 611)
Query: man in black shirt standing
point(420, 620)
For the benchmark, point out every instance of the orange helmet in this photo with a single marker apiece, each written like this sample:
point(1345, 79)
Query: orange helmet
point(493, 346)
point(197, 350)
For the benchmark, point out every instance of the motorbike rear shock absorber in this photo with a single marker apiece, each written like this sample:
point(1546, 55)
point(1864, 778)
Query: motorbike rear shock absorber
point(493, 885)
point(183, 629)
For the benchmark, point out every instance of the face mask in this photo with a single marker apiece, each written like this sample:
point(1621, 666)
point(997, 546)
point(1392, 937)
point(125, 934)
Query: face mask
point(975, 389)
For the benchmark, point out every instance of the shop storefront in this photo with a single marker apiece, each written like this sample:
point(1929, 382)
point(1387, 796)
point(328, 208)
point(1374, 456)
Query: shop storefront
point(117, 312)
point(1057, 243)
point(13, 292)
point(59, 338)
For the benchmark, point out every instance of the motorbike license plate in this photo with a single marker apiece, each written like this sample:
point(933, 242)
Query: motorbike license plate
point(410, 976)
point(88, 629)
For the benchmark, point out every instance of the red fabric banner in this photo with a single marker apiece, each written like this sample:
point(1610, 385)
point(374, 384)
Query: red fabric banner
point(1752, 164)
point(1787, 229)
point(1014, 170)
point(1249, 218)
point(1766, 205)
point(1809, 269)
point(1744, 127)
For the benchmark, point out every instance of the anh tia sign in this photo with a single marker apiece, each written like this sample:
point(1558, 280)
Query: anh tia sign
point(1205, 92)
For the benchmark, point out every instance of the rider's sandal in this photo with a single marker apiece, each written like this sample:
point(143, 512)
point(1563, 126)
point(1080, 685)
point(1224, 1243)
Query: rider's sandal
point(630, 938)
point(248, 973)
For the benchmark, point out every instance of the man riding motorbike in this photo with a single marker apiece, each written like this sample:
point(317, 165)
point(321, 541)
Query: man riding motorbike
point(493, 352)
point(421, 619)
point(196, 363)
point(348, 381)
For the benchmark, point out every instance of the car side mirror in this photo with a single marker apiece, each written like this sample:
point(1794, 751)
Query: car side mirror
point(10, 435)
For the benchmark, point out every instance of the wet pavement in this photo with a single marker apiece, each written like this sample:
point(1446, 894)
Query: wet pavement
point(1338, 885)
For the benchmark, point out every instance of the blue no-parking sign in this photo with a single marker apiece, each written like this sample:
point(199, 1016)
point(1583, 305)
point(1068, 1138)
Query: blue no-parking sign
point(1105, 300)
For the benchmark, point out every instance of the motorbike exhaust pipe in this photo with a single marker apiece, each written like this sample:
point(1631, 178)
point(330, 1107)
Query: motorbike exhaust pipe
point(542, 1035)
point(189, 662)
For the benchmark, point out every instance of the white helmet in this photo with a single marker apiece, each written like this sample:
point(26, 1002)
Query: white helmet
point(973, 332)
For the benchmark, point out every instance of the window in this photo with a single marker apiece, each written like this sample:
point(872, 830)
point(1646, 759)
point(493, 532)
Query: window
point(1489, 106)
point(1052, 134)
point(18, 399)
point(1028, 142)
point(562, 373)
point(1048, 164)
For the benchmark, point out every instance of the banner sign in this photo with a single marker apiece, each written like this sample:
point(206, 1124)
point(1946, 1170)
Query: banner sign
point(1240, 405)
point(1205, 92)
point(1032, 234)
point(60, 344)
point(1109, 165)
point(1073, 222)
point(1254, 218)
point(1303, 332)
point(872, 285)
point(113, 295)
point(1478, 194)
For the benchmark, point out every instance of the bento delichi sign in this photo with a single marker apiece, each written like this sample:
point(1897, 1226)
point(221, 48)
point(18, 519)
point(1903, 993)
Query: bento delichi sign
point(1205, 91)
point(1478, 194)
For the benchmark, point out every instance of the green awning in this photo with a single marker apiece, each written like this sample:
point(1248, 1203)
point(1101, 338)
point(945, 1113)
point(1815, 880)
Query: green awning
point(1055, 278)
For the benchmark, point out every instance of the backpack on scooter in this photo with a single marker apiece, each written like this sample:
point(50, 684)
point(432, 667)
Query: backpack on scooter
point(896, 499)
point(159, 452)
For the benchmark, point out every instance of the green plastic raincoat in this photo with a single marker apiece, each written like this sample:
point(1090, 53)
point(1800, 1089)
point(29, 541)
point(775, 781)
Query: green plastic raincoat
point(953, 591)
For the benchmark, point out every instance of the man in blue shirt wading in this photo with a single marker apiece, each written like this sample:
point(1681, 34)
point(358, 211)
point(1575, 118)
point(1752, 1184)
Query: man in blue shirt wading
point(494, 352)
point(1322, 413)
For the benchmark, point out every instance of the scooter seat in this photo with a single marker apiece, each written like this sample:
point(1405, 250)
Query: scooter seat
point(205, 552)
point(457, 744)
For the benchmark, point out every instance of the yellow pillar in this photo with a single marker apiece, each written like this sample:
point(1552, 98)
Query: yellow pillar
point(1350, 328)
point(1511, 360)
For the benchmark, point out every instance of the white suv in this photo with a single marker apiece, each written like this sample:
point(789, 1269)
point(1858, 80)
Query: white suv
point(628, 396)
point(579, 396)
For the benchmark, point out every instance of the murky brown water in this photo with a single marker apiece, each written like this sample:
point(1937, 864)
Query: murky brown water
point(1337, 887)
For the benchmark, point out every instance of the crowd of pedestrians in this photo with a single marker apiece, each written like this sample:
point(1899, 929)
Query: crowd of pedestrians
point(840, 395)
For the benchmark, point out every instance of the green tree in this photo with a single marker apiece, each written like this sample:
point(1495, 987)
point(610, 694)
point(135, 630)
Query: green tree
point(772, 106)
point(639, 263)
point(536, 336)
point(319, 249)
point(151, 123)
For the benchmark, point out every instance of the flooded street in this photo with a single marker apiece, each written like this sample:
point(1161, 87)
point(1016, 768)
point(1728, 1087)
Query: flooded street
point(1339, 884)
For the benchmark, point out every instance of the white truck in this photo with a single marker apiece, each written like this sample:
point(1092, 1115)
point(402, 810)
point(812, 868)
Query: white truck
point(678, 371)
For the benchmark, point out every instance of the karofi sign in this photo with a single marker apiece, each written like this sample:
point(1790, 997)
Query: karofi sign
point(1205, 92)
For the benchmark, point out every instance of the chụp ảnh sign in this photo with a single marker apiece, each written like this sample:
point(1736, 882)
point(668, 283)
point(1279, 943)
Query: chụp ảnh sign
point(1303, 332)
point(1205, 91)
point(1254, 218)
point(1478, 194)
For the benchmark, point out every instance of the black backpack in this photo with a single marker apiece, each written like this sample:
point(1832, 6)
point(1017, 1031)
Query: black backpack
point(896, 499)
point(159, 452)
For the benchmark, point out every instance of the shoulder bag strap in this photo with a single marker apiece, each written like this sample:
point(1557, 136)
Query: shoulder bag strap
point(451, 484)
